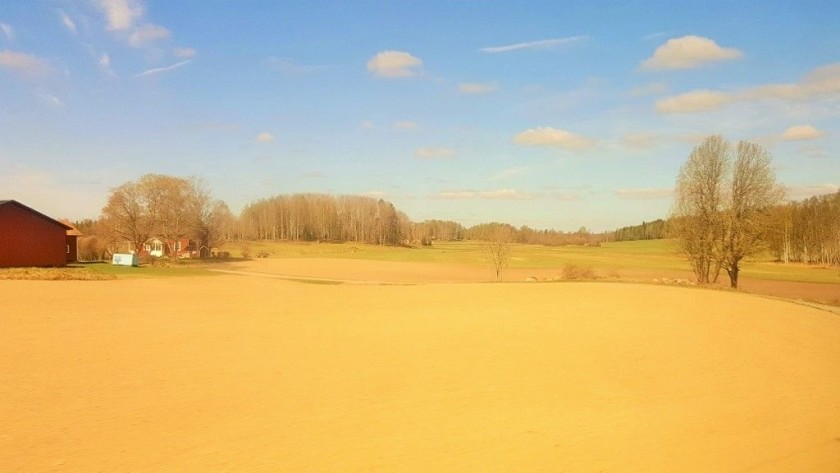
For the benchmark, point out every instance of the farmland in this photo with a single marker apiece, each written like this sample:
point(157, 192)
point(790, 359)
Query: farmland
point(245, 373)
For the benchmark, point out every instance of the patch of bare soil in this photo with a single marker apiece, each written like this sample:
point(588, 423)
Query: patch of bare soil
point(237, 373)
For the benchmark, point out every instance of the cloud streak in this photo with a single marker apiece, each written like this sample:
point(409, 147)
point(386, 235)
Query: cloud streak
point(500, 194)
point(534, 45)
point(163, 70)
point(477, 88)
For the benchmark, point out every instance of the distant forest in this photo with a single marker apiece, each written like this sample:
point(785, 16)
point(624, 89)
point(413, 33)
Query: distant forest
point(805, 231)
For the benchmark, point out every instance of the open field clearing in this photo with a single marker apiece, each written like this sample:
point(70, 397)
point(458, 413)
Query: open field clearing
point(239, 373)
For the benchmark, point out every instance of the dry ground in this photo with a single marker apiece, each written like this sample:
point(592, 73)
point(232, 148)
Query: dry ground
point(239, 373)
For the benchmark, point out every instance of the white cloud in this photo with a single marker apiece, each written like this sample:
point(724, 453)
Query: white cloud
point(696, 101)
point(552, 137)
point(265, 137)
point(688, 52)
point(393, 64)
point(121, 14)
point(819, 82)
point(23, 64)
point(147, 34)
point(500, 194)
point(406, 125)
point(434, 153)
point(163, 70)
point(645, 193)
point(540, 44)
point(8, 31)
point(368, 125)
point(477, 88)
point(184, 53)
point(67, 22)
point(802, 132)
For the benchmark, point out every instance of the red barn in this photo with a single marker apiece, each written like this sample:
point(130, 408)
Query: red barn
point(30, 238)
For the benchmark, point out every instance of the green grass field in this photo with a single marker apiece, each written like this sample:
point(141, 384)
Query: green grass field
point(650, 256)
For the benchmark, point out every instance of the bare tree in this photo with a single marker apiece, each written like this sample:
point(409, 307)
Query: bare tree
point(698, 222)
point(752, 193)
point(722, 208)
point(126, 215)
point(498, 247)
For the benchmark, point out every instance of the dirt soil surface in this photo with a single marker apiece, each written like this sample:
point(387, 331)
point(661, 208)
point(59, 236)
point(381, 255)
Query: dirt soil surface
point(243, 373)
point(401, 272)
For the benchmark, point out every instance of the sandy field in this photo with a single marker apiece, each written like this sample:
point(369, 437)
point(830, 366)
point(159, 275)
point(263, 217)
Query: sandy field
point(243, 373)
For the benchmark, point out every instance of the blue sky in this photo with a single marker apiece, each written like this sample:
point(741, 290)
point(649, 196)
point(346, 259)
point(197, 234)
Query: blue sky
point(547, 114)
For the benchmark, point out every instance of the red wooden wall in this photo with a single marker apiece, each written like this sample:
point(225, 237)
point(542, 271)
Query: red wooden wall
point(30, 239)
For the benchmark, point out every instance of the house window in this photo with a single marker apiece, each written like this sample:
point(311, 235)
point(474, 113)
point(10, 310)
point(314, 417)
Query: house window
point(68, 249)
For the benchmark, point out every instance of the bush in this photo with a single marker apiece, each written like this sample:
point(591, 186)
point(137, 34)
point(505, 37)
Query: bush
point(575, 272)
point(246, 250)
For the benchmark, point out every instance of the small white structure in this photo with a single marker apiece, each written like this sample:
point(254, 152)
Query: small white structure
point(125, 259)
point(155, 247)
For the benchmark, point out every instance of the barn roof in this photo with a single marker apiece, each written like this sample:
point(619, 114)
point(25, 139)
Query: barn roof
point(73, 231)
point(33, 211)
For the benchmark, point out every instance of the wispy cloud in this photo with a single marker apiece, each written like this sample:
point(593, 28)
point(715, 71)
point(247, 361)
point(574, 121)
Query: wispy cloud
point(183, 53)
point(653, 88)
point(25, 65)
point(147, 34)
point(688, 52)
point(477, 88)
point(434, 153)
point(105, 64)
point(821, 81)
point(646, 193)
point(163, 70)
point(500, 194)
point(539, 44)
point(67, 22)
point(640, 140)
point(554, 138)
point(8, 31)
point(799, 192)
point(506, 174)
point(406, 125)
point(313, 175)
point(394, 64)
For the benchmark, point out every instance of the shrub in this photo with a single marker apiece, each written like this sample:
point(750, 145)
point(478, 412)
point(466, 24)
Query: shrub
point(575, 272)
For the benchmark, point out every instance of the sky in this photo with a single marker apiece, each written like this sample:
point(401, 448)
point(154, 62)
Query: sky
point(549, 114)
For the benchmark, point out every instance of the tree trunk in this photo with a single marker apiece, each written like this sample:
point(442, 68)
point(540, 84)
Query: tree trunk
point(733, 271)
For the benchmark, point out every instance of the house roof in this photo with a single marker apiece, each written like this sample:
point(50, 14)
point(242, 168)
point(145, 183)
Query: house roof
point(73, 230)
point(33, 211)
